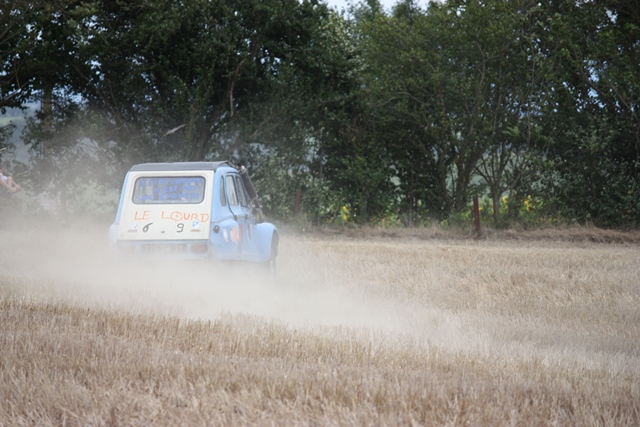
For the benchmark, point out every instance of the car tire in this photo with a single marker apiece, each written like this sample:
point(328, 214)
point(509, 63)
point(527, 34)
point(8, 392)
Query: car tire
point(270, 265)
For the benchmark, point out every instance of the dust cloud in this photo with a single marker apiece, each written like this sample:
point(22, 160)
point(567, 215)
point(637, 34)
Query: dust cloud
point(73, 265)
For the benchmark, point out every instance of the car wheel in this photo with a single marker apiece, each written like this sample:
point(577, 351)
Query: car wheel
point(270, 265)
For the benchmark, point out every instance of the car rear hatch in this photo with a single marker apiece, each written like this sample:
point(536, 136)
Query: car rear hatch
point(166, 212)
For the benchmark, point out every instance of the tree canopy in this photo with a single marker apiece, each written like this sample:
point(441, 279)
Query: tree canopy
point(400, 115)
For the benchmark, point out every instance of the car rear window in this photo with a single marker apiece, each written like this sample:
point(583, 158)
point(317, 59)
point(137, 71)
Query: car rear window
point(169, 190)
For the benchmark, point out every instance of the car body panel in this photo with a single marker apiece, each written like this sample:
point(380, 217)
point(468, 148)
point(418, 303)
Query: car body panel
point(190, 210)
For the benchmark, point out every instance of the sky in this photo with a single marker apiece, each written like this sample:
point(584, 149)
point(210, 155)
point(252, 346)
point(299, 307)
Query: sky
point(386, 4)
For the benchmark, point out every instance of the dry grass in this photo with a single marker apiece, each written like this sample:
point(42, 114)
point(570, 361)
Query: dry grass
point(375, 331)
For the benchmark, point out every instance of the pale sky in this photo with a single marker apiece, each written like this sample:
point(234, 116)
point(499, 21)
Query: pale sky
point(386, 4)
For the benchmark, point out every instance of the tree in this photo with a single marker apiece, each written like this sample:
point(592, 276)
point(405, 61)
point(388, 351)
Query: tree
point(436, 78)
point(17, 38)
point(517, 73)
point(153, 81)
point(593, 169)
point(201, 64)
point(39, 45)
point(14, 41)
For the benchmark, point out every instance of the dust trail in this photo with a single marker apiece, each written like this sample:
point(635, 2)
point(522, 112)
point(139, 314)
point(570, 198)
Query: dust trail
point(75, 267)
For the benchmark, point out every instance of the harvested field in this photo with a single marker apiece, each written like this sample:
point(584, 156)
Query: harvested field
point(376, 329)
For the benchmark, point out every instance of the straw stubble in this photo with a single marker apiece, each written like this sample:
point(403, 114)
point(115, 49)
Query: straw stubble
point(368, 331)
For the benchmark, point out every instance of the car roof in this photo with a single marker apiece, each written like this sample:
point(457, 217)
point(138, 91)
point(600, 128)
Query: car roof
point(180, 166)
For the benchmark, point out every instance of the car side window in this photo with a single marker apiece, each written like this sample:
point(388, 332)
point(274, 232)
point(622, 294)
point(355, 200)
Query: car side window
point(223, 197)
point(242, 194)
point(231, 191)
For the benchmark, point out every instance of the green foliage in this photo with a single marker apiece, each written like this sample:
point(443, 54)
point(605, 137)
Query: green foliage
point(533, 212)
point(593, 162)
point(376, 118)
point(599, 184)
point(6, 130)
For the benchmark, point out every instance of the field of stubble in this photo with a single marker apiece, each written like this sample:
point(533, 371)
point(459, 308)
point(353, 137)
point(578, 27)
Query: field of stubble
point(375, 331)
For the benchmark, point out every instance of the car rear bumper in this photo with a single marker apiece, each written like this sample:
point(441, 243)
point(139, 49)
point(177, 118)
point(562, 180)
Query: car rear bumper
point(164, 249)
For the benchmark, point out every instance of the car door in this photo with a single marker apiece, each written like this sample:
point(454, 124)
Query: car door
point(247, 222)
point(232, 230)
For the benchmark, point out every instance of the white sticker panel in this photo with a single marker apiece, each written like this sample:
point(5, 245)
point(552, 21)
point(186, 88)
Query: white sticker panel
point(164, 205)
